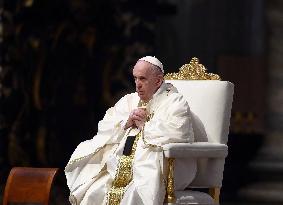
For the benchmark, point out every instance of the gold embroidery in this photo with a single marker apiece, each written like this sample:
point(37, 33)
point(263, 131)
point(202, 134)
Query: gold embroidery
point(142, 104)
point(149, 116)
point(81, 158)
point(115, 195)
point(124, 175)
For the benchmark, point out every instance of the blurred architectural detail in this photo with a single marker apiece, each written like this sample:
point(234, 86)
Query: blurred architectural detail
point(268, 165)
point(249, 108)
point(63, 64)
point(208, 29)
point(2, 123)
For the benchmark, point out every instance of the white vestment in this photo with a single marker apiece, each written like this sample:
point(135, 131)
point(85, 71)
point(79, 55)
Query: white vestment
point(93, 164)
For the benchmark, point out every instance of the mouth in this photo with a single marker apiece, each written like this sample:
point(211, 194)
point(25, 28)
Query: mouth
point(142, 95)
point(140, 92)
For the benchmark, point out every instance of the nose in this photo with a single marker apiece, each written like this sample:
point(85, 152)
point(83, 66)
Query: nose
point(138, 83)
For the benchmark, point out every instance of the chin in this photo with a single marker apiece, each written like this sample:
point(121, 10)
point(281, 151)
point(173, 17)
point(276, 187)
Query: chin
point(142, 97)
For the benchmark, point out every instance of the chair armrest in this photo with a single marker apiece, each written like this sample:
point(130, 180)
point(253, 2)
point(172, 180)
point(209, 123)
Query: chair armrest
point(195, 150)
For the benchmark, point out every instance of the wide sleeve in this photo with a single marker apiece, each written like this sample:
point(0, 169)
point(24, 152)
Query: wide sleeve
point(112, 125)
point(170, 123)
point(90, 156)
point(110, 129)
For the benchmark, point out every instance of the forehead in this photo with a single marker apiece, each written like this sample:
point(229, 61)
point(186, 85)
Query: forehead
point(142, 68)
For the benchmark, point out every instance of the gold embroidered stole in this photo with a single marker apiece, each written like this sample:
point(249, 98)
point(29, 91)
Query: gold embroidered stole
point(124, 172)
point(123, 177)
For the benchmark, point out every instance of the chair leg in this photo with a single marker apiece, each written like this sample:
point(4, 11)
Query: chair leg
point(170, 195)
point(214, 192)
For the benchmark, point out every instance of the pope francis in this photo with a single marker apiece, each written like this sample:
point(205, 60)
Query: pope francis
point(123, 163)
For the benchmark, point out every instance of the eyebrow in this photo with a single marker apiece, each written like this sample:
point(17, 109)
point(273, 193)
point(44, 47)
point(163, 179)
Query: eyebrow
point(143, 77)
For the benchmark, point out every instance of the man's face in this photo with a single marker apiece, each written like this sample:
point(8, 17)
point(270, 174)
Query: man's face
point(146, 80)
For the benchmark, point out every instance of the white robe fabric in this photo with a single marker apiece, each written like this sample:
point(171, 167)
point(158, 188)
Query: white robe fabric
point(92, 167)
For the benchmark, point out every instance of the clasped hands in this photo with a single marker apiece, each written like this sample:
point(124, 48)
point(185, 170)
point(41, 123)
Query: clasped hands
point(137, 118)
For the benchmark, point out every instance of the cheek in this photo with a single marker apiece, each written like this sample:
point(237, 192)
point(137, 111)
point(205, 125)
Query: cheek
point(151, 89)
point(142, 84)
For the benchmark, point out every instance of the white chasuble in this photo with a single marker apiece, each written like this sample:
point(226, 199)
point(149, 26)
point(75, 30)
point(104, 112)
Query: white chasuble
point(93, 166)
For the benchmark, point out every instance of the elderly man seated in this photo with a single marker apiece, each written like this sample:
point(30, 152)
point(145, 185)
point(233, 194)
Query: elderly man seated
point(123, 163)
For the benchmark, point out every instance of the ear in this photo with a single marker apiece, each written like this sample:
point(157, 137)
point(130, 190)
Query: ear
point(159, 80)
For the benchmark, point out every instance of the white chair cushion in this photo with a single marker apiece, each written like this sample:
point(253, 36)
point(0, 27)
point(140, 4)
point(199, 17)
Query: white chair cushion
point(193, 197)
point(195, 150)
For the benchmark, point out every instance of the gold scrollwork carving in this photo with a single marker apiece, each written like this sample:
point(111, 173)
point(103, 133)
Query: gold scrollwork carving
point(192, 71)
point(170, 195)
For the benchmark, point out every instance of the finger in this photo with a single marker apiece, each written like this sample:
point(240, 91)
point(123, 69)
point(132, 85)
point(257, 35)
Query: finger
point(139, 124)
point(141, 114)
point(142, 110)
point(132, 115)
point(137, 118)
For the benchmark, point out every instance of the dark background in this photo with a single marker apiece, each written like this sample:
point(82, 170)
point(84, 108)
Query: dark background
point(63, 63)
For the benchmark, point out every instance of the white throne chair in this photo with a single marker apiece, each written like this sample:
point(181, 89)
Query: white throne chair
point(210, 101)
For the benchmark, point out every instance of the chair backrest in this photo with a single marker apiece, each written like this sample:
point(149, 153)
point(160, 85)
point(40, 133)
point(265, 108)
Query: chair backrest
point(210, 102)
point(29, 185)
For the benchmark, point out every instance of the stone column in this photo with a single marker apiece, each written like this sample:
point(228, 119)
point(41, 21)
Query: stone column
point(268, 166)
point(274, 141)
